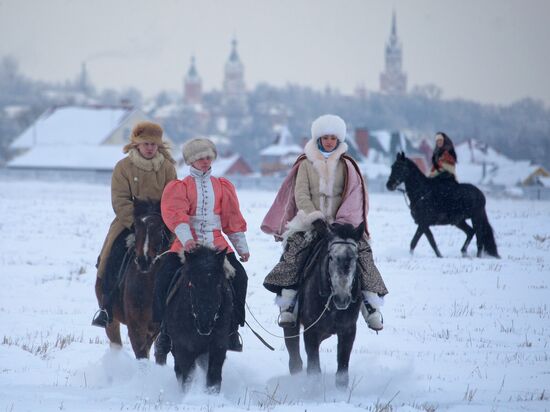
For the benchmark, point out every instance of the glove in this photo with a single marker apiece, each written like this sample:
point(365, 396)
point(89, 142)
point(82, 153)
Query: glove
point(320, 227)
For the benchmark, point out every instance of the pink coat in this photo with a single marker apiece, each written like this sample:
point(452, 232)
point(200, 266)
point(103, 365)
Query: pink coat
point(353, 210)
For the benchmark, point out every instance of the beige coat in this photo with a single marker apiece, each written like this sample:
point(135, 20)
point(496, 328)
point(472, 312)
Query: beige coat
point(320, 182)
point(134, 176)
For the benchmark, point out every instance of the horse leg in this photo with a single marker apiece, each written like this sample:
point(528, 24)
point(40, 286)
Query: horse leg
point(312, 343)
point(466, 228)
point(292, 344)
point(113, 333)
point(216, 358)
point(184, 365)
point(415, 239)
point(138, 339)
point(345, 345)
point(431, 239)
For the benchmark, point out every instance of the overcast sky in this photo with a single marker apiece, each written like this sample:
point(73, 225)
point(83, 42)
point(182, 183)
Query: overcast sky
point(493, 51)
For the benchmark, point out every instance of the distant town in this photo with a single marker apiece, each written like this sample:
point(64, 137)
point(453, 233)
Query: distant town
point(260, 132)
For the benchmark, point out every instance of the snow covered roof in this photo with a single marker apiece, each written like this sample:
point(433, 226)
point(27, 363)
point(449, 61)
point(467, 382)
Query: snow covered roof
point(71, 125)
point(82, 157)
point(473, 151)
point(284, 144)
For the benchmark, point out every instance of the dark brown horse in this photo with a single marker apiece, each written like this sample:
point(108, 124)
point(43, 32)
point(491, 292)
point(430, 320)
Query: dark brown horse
point(134, 302)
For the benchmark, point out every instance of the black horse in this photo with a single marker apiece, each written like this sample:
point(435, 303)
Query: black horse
point(329, 302)
point(198, 316)
point(443, 201)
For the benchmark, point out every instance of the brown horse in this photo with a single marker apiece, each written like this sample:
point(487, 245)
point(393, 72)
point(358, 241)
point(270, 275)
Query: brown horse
point(133, 305)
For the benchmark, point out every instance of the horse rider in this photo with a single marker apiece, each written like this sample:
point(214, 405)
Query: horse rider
point(198, 209)
point(324, 186)
point(444, 156)
point(142, 174)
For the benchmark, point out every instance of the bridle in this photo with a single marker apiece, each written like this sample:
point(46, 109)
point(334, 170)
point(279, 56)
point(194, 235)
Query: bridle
point(348, 242)
point(165, 239)
point(194, 312)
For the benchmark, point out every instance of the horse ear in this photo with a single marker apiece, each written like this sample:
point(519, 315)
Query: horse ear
point(221, 254)
point(359, 232)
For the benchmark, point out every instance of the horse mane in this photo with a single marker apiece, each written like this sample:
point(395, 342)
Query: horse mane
point(144, 207)
point(204, 257)
point(344, 230)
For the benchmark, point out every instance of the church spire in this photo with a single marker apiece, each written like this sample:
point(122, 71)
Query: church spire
point(192, 85)
point(393, 80)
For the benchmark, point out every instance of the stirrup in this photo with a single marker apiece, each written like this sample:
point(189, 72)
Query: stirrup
point(286, 319)
point(373, 317)
point(235, 342)
point(101, 318)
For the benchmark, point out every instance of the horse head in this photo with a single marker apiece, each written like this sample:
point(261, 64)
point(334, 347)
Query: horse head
point(151, 234)
point(399, 171)
point(204, 268)
point(342, 262)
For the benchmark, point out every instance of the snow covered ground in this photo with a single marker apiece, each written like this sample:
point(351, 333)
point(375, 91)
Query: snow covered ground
point(460, 333)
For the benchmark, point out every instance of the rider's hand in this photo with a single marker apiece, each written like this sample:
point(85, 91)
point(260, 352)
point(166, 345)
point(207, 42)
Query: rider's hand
point(244, 257)
point(189, 245)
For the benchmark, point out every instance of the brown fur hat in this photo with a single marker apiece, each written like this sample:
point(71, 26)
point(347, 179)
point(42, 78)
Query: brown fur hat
point(196, 149)
point(148, 132)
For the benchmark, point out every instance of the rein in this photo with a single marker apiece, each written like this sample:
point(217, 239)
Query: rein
point(326, 308)
point(194, 312)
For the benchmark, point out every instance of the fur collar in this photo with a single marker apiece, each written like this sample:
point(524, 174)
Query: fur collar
point(326, 168)
point(142, 163)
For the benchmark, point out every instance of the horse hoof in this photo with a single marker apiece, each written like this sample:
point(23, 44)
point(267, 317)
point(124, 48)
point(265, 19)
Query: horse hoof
point(342, 381)
point(214, 389)
point(295, 369)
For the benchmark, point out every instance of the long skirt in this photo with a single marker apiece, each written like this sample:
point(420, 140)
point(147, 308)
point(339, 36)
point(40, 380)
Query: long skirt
point(286, 273)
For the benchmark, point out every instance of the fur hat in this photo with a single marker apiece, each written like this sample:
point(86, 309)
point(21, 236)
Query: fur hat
point(146, 132)
point(197, 149)
point(329, 124)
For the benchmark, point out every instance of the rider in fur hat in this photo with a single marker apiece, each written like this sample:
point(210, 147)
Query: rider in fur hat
point(198, 209)
point(142, 174)
point(324, 186)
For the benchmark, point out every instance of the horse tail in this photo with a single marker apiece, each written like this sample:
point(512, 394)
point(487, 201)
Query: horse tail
point(487, 235)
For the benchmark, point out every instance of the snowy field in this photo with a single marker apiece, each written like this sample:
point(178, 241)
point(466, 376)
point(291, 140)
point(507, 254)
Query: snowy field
point(461, 334)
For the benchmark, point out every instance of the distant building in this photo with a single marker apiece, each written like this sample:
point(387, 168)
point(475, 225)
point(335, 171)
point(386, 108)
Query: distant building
point(76, 138)
point(192, 86)
point(278, 158)
point(234, 98)
point(393, 80)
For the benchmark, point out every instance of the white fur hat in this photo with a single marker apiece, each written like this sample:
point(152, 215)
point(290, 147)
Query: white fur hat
point(329, 124)
point(196, 149)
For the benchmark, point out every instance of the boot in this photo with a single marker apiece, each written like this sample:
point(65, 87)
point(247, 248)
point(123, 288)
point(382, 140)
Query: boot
point(371, 313)
point(287, 306)
point(104, 315)
point(235, 342)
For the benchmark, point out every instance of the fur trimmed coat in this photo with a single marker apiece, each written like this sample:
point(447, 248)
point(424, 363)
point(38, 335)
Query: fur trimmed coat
point(312, 190)
point(332, 189)
point(133, 177)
